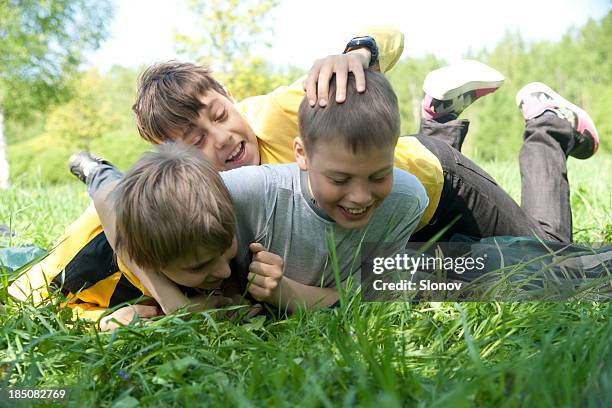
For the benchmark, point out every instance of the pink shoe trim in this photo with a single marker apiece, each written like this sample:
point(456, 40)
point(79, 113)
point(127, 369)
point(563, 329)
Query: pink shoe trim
point(426, 111)
point(484, 91)
point(534, 108)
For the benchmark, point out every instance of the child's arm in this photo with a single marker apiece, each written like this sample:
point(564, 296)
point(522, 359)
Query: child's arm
point(125, 316)
point(267, 284)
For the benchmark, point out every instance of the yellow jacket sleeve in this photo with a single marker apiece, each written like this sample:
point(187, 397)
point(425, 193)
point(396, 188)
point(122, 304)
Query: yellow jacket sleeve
point(390, 43)
point(87, 311)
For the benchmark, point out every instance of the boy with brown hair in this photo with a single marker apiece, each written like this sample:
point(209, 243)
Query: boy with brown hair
point(181, 102)
point(174, 215)
point(171, 203)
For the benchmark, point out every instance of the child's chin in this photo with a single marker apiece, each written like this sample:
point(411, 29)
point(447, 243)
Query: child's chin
point(351, 224)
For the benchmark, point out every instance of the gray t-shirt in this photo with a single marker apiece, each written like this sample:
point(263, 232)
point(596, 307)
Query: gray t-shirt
point(274, 207)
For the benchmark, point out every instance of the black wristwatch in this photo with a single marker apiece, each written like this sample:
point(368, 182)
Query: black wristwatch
point(364, 42)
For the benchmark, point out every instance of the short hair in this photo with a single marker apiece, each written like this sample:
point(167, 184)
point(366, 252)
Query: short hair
point(167, 98)
point(169, 204)
point(362, 121)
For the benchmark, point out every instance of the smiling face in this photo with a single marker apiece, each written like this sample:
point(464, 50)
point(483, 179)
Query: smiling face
point(347, 186)
point(204, 270)
point(222, 134)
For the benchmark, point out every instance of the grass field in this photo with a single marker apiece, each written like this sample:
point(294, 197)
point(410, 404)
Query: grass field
point(376, 354)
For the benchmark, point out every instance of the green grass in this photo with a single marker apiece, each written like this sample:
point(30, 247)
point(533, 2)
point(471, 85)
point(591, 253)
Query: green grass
point(372, 354)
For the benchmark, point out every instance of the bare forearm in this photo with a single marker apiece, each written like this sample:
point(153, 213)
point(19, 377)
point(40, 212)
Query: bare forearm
point(294, 295)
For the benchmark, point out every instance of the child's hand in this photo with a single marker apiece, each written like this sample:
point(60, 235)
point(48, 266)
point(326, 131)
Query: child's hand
point(247, 311)
point(317, 82)
point(266, 274)
point(199, 303)
point(205, 302)
point(126, 315)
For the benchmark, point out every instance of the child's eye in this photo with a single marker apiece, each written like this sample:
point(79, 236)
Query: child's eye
point(338, 181)
point(379, 179)
point(221, 116)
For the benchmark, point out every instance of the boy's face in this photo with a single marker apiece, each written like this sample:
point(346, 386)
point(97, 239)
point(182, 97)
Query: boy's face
point(204, 270)
point(347, 186)
point(222, 134)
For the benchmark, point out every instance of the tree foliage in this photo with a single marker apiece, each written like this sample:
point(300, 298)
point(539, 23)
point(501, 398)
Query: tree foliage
point(229, 33)
point(54, 136)
point(87, 116)
point(42, 44)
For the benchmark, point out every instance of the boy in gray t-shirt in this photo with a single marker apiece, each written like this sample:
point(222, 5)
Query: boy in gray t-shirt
point(343, 186)
point(275, 208)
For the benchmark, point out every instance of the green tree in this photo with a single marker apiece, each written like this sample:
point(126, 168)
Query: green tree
point(228, 32)
point(104, 103)
point(87, 116)
point(41, 46)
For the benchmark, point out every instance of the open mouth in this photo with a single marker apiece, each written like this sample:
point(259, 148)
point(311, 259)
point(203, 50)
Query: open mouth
point(238, 155)
point(355, 213)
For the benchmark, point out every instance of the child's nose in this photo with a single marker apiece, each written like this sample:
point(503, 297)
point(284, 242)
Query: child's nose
point(223, 271)
point(360, 195)
point(221, 139)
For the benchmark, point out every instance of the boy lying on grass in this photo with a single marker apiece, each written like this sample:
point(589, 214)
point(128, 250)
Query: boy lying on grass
point(343, 185)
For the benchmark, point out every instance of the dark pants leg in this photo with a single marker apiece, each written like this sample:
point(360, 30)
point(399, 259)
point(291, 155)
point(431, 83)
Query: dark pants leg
point(452, 133)
point(484, 208)
point(545, 193)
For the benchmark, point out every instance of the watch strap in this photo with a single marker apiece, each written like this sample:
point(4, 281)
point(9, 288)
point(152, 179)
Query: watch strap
point(364, 42)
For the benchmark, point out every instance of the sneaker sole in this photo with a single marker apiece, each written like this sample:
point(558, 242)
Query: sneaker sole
point(532, 87)
point(461, 77)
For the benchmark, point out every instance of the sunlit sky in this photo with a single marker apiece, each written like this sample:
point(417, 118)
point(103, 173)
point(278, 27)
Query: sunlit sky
point(142, 31)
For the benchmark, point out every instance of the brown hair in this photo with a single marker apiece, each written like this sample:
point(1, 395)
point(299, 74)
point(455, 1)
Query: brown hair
point(363, 120)
point(171, 203)
point(167, 98)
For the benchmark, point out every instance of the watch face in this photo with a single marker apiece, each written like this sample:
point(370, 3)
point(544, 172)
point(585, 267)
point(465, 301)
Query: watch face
point(362, 42)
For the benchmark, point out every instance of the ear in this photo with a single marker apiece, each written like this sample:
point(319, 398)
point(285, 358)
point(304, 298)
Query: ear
point(300, 154)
